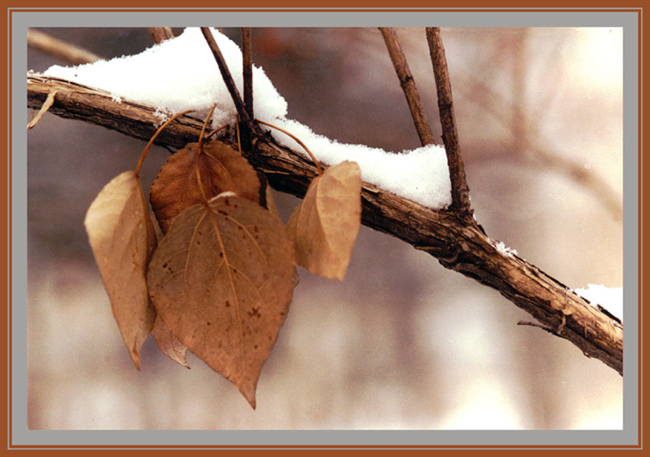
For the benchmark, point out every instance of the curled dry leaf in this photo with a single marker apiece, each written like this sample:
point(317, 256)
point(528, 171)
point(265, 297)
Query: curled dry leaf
point(222, 280)
point(122, 239)
point(325, 225)
point(221, 168)
point(169, 344)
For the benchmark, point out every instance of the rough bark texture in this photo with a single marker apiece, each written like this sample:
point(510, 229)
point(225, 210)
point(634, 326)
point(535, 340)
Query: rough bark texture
point(459, 245)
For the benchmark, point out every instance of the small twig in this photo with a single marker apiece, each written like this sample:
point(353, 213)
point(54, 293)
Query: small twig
point(70, 53)
point(247, 51)
point(408, 86)
point(247, 64)
point(160, 34)
point(225, 73)
point(543, 327)
point(459, 188)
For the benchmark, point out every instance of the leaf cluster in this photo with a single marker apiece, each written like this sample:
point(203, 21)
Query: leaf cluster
point(218, 277)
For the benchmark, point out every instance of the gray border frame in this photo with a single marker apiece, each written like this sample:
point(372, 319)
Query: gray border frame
point(20, 20)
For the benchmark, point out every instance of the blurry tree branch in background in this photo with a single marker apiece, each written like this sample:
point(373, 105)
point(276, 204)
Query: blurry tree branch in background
point(160, 34)
point(458, 242)
point(59, 48)
point(534, 155)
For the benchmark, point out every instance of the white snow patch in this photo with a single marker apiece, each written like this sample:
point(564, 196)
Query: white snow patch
point(609, 298)
point(503, 249)
point(181, 74)
point(178, 75)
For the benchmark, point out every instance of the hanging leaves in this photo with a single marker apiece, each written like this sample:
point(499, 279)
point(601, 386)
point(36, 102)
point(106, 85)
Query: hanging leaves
point(122, 239)
point(325, 225)
point(221, 169)
point(221, 280)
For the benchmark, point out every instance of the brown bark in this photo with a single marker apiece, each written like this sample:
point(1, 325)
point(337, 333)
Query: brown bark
point(457, 243)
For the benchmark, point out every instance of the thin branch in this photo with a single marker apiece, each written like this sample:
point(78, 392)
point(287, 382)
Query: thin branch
point(457, 245)
point(67, 52)
point(247, 73)
point(247, 53)
point(459, 187)
point(160, 34)
point(225, 73)
point(408, 85)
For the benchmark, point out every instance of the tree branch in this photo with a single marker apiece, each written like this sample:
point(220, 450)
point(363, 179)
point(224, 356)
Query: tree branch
point(59, 48)
point(160, 34)
point(247, 63)
point(459, 188)
point(408, 86)
point(457, 244)
point(225, 73)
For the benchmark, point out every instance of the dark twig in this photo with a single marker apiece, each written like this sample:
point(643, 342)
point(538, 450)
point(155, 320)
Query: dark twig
point(160, 34)
point(225, 73)
point(247, 52)
point(247, 64)
point(408, 85)
point(459, 189)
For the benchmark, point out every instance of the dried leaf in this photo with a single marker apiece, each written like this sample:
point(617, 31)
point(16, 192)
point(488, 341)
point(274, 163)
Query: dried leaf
point(122, 239)
point(222, 280)
point(221, 168)
point(325, 225)
point(49, 101)
point(169, 344)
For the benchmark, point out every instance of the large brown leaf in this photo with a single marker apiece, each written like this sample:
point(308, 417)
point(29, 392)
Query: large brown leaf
point(221, 168)
point(122, 238)
point(325, 225)
point(222, 280)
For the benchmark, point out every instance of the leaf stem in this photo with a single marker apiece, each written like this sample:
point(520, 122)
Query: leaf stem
point(318, 167)
point(212, 133)
point(160, 129)
point(197, 153)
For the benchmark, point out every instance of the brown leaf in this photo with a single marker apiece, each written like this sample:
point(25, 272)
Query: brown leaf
point(222, 280)
point(222, 169)
point(325, 225)
point(169, 344)
point(122, 239)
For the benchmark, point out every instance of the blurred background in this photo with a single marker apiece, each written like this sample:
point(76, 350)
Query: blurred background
point(402, 343)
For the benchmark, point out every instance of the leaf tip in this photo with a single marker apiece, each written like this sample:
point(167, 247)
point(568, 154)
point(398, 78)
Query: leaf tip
point(136, 358)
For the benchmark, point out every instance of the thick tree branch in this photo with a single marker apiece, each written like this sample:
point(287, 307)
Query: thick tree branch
point(459, 189)
point(408, 85)
point(457, 244)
